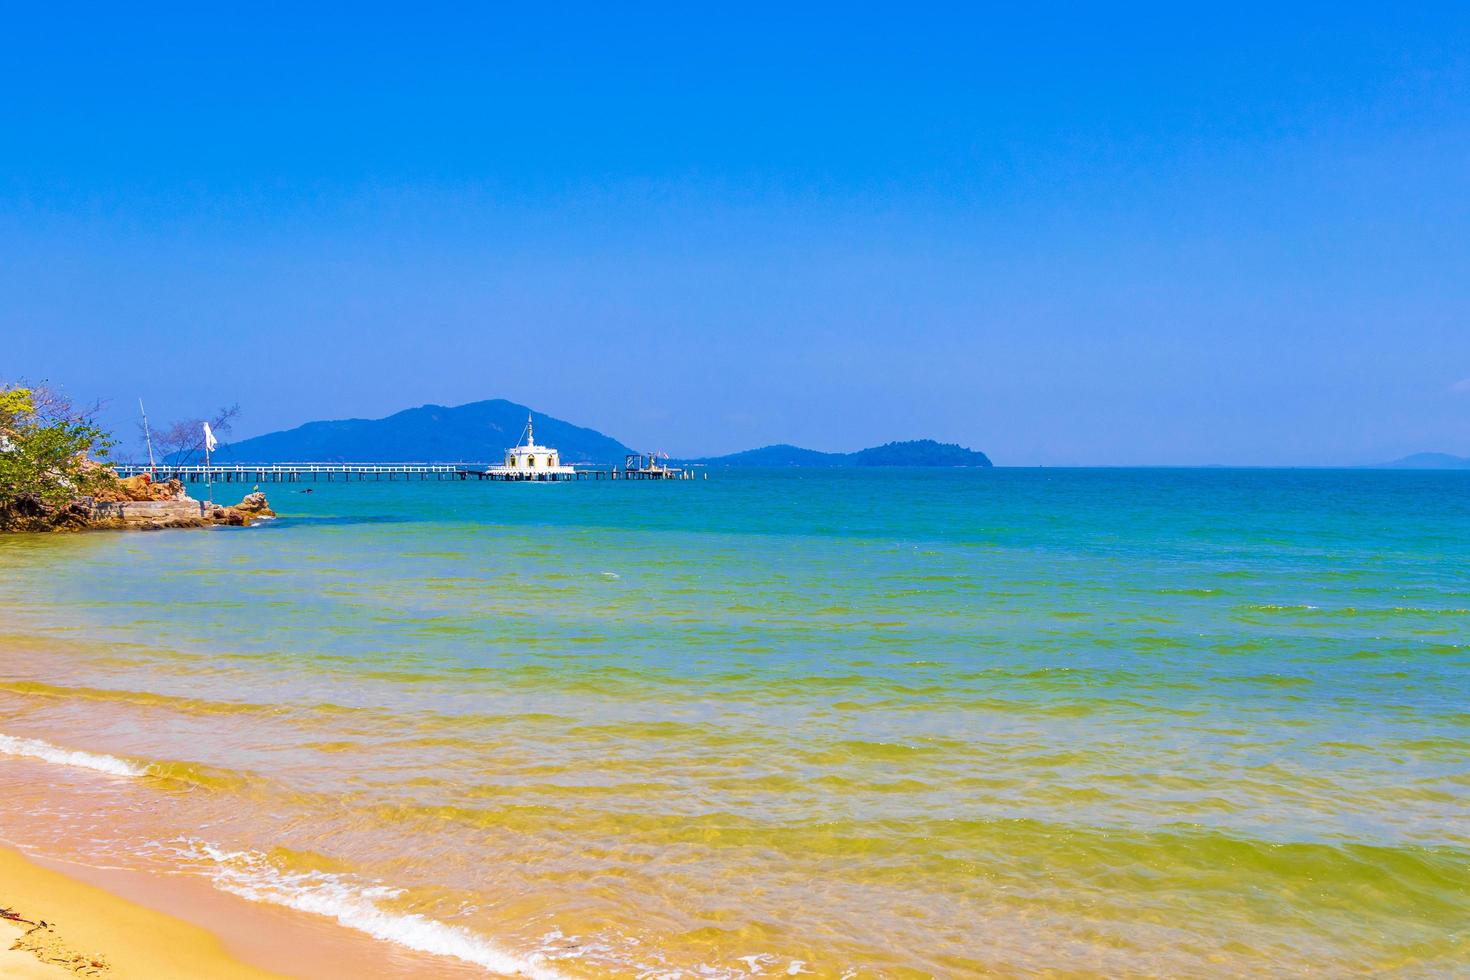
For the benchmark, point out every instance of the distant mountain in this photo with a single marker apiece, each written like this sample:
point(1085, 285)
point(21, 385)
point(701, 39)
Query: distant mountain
point(777, 456)
point(480, 432)
point(919, 452)
point(1428, 461)
point(477, 432)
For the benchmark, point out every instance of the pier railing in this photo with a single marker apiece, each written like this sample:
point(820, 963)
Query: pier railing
point(375, 472)
point(296, 472)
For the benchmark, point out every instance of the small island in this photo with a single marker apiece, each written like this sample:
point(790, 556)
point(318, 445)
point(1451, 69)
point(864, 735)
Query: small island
point(915, 452)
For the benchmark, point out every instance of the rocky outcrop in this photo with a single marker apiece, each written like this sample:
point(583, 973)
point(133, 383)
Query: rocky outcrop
point(30, 513)
point(232, 516)
point(154, 515)
point(141, 488)
point(140, 507)
point(137, 503)
point(148, 515)
point(256, 505)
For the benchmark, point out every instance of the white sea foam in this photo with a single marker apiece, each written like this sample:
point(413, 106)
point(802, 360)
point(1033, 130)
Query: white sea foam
point(34, 748)
point(354, 904)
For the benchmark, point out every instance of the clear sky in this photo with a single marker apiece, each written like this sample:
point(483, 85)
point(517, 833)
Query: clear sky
point(1123, 234)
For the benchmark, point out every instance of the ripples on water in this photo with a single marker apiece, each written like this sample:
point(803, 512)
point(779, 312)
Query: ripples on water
point(848, 723)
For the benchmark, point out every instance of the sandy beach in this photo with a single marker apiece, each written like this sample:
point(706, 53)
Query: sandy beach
point(65, 928)
point(124, 925)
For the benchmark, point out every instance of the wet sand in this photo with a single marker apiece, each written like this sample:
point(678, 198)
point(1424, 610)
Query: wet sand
point(72, 928)
point(123, 925)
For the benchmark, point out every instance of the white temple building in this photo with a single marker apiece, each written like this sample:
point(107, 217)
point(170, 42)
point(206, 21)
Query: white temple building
point(528, 461)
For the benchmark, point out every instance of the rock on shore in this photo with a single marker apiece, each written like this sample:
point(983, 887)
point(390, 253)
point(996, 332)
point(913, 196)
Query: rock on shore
point(136, 503)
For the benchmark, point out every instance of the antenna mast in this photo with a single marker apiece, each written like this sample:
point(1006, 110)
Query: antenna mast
point(147, 436)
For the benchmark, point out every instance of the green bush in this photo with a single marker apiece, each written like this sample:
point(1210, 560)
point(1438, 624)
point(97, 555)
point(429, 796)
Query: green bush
point(49, 451)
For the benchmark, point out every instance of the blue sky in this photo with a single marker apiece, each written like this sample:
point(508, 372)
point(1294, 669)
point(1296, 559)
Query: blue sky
point(1062, 235)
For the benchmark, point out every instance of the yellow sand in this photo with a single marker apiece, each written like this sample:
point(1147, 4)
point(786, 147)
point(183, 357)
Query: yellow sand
point(91, 932)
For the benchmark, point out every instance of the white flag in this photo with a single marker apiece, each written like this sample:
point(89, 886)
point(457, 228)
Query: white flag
point(210, 443)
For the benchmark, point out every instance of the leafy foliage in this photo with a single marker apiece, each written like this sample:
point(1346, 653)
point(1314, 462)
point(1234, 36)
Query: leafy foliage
point(49, 449)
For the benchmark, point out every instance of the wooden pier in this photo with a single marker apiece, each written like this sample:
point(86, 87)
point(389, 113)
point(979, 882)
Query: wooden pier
point(379, 472)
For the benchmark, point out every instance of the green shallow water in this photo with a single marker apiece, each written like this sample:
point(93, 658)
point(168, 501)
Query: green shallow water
point(849, 723)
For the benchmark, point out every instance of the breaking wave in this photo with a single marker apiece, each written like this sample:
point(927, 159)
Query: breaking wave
point(354, 904)
point(34, 748)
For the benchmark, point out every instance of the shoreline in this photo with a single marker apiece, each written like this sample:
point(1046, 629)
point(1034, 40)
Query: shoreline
point(75, 928)
point(134, 925)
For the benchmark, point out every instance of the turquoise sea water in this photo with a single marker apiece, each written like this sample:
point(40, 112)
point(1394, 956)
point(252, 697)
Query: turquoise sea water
point(848, 723)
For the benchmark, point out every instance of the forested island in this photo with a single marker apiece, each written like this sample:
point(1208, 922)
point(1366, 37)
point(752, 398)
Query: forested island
point(917, 452)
